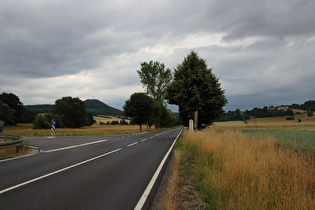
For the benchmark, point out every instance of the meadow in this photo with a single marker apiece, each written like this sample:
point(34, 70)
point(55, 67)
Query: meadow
point(266, 163)
point(231, 170)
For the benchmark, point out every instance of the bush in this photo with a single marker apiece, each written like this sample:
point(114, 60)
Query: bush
point(310, 113)
point(289, 118)
point(41, 122)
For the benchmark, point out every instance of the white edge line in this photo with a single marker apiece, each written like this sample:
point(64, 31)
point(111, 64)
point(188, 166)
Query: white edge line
point(56, 172)
point(147, 191)
point(71, 147)
point(129, 145)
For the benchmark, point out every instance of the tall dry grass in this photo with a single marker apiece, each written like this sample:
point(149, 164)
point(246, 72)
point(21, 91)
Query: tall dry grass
point(170, 201)
point(233, 170)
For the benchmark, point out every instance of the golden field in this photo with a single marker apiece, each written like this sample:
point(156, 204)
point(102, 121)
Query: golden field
point(266, 163)
point(96, 129)
point(230, 170)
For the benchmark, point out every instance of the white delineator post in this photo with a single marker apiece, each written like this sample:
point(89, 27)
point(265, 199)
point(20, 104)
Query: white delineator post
point(191, 125)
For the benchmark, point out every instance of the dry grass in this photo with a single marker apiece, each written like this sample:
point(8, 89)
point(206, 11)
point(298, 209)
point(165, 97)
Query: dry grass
point(96, 129)
point(12, 152)
point(232, 170)
point(170, 201)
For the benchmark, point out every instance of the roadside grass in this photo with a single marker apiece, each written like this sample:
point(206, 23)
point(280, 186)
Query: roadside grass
point(12, 152)
point(231, 170)
point(96, 129)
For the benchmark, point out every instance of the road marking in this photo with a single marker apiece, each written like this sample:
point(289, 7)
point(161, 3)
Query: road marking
point(160, 133)
point(129, 145)
point(70, 147)
point(58, 171)
point(144, 140)
point(147, 191)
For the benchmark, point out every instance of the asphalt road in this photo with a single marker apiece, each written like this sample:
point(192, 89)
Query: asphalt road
point(91, 172)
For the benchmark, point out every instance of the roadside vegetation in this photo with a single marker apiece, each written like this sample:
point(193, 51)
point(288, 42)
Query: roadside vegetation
point(230, 170)
point(13, 152)
point(95, 129)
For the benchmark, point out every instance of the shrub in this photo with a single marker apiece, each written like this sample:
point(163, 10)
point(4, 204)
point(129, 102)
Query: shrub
point(289, 118)
point(41, 122)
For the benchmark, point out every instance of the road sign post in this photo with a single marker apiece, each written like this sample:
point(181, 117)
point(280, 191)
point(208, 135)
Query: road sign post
point(53, 129)
point(196, 120)
point(1, 126)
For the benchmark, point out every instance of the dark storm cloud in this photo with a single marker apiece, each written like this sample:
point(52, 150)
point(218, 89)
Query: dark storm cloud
point(262, 51)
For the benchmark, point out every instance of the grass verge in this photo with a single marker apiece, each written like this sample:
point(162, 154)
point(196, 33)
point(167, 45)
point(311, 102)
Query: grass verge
point(12, 152)
point(231, 170)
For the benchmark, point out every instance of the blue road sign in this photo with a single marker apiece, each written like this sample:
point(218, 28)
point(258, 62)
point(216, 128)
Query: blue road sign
point(53, 122)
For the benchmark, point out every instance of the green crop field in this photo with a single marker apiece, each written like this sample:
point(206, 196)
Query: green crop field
point(289, 133)
point(296, 139)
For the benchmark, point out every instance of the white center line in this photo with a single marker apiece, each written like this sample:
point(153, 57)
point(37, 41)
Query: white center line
point(144, 140)
point(129, 145)
point(70, 147)
point(58, 171)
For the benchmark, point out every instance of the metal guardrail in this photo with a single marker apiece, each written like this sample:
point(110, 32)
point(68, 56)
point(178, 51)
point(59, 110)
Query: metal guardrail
point(8, 141)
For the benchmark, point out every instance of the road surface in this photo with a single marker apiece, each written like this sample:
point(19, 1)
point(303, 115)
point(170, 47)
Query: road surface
point(91, 172)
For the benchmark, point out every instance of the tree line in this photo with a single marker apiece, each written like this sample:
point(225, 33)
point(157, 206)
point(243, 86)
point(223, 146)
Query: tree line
point(12, 110)
point(237, 115)
point(68, 112)
point(192, 86)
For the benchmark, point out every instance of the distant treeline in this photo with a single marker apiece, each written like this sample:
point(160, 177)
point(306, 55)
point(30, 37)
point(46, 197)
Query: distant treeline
point(308, 106)
point(40, 108)
point(284, 110)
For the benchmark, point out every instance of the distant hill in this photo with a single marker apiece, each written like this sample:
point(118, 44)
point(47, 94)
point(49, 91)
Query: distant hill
point(97, 107)
point(93, 106)
point(40, 108)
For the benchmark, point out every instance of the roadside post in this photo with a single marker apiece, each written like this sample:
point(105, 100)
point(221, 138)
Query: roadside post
point(196, 121)
point(191, 125)
point(1, 126)
point(53, 129)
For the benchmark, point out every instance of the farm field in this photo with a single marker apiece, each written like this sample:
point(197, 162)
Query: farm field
point(26, 129)
point(289, 133)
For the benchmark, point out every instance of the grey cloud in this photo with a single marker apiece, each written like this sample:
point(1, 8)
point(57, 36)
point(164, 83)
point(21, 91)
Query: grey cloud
point(266, 54)
point(244, 18)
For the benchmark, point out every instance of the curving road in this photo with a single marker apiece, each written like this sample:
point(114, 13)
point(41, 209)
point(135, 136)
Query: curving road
point(90, 172)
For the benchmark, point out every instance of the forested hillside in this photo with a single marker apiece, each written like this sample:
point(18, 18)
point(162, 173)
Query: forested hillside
point(97, 107)
point(93, 106)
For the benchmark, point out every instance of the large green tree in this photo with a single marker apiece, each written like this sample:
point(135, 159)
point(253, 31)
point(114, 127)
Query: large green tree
point(12, 110)
point(140, 107)
point(72, 111)
point(196, 88)
point(155, 78)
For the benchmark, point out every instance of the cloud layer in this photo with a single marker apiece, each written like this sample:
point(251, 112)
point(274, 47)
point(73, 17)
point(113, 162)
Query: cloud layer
point(262, 51)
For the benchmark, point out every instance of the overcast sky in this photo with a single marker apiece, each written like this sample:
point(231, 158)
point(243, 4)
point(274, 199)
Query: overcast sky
point(262, 51)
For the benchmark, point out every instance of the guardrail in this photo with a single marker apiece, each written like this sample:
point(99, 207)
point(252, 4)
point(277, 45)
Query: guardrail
point(8, 141)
